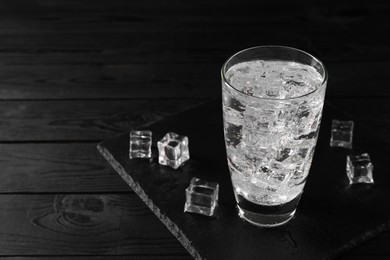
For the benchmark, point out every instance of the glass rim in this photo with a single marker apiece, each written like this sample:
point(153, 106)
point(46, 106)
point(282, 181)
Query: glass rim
point(323, 83)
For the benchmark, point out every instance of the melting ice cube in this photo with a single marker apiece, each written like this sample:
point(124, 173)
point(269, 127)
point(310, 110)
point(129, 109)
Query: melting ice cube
point(359, 168)
point(173, 150)
point(342, 132)
point(201, 197)
point(140, 144)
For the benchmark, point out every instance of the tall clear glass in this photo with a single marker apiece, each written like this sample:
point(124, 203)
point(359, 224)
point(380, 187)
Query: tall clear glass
point(272, 105)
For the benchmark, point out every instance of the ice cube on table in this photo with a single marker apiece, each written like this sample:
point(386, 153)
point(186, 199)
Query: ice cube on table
point(201, 197)
point(360, 169)
point(140, 144)
point(173, 150)
point(342, 132)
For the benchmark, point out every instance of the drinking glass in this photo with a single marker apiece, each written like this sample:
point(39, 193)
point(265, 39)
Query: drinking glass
point(272, 106)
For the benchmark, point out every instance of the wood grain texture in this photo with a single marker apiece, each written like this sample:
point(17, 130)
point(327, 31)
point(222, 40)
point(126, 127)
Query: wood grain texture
point(196, 47)
point(58, 167)
point(92, 224)
point(86, 120)
point(155, 31)
point(97, 257)
point(110, 81)
point(68, 13)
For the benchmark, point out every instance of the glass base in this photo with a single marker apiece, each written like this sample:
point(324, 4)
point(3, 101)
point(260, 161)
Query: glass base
point(266, 216)
point(264, 220)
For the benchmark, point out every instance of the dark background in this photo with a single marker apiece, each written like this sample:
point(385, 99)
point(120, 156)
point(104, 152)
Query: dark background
point(73, 73)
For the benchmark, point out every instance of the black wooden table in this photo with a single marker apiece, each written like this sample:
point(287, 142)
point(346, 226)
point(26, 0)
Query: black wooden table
point(73, 73)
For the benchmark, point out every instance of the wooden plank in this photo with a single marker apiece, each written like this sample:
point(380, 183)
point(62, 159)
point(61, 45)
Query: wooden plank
point(109, 257)
point(86, 120)
point(180, 47)
point(173, 80)
point(48, 17)
point(41, 168)
point(109, 81)
point(244, 19)
point(48, 32)
point(182, 55)
point(76, 224)
point(143, 41)
point(352, 257)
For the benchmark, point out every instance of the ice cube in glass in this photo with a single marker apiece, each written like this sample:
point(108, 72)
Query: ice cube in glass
point(140, 144)
point(173, 150)
point(201, 197)
point(360, 169)
point(342, 132)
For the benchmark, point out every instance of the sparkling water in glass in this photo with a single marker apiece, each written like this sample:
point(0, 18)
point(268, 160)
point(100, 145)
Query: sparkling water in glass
point(272, 105)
